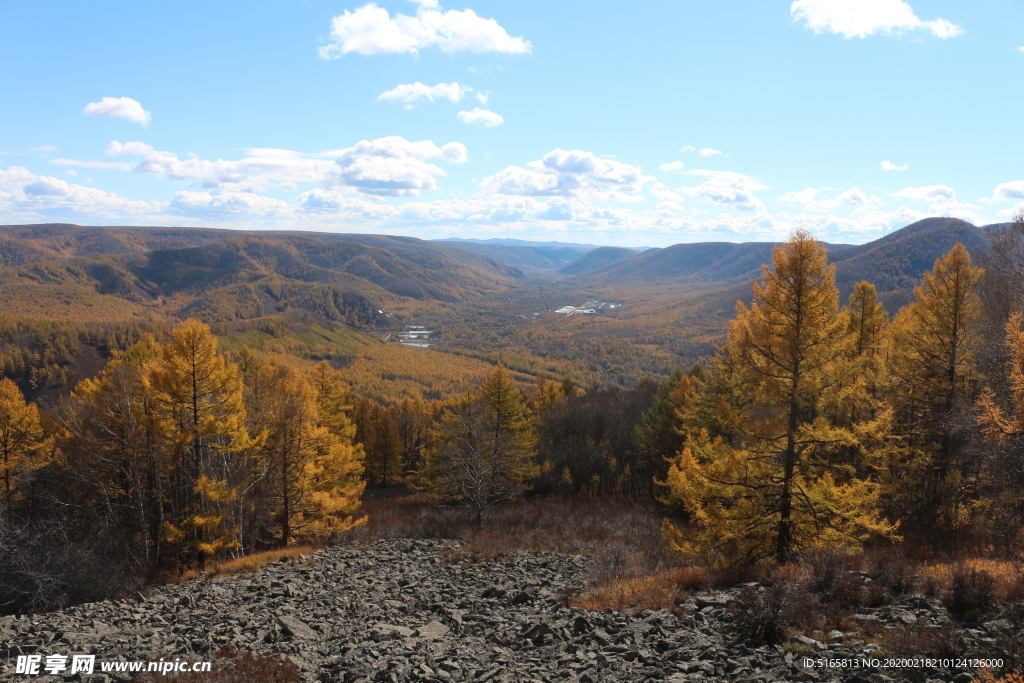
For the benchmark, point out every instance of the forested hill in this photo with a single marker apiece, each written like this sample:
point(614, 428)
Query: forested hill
point(114, 273)
point(527, 257)
point(894, 263)
point(597, 258)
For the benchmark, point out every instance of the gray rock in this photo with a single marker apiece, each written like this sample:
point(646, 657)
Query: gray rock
point(296, 629)
point(434, 629)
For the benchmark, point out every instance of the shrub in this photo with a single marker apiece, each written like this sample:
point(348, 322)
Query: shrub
point(971, 594)
point(762, 615)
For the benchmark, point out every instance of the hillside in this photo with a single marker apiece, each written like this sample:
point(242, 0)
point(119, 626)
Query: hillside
point(107, 274)
point(893, 263)
point(597, 258)
point(525, 257)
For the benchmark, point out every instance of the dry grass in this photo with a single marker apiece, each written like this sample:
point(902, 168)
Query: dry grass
point(1007, 576)
point(247, 563)
point(660, 591)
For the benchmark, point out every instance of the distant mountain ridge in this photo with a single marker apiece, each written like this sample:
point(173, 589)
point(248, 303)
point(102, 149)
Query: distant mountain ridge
point(597, 258)
point(223, 275)
point(894, 263)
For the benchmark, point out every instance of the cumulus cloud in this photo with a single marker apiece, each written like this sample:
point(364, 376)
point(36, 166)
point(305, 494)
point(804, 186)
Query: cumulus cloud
point(569, 174)
point(930, 193)
point(478, 115)
point(889, 166)
point(687, 148)
point(371, 30)
point(25, 195)
point(43, 149)
point(119, 108)
point(116, 149)
point(709, 152)
point(942, 202)
point(411, 93)
point(483, 97)
point(862, 18)
point(726, 187)
point(226, 204)
point(1008, 192)
point(671, 166)
point(393, 166)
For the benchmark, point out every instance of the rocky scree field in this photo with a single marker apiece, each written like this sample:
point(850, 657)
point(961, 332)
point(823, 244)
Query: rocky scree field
point(406, 610)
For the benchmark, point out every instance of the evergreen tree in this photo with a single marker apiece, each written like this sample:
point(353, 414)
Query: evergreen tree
point(778, 491)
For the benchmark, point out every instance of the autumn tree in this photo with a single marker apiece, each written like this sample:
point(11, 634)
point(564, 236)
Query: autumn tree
point(776, 491)
point(933, 384)
point(1003, 477)
point(21, 442)
point(112, 444)
point(198, 394)
point(483, 447)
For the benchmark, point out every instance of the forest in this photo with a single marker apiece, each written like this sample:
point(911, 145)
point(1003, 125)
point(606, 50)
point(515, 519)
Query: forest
point(139, 452)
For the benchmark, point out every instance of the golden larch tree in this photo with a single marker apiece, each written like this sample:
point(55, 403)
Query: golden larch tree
point(21, 441)
point(776, 490)
point(199, 395)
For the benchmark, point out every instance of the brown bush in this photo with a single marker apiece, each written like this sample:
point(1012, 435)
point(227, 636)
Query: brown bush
point(972, 593)
point(762, 616)
point(231, 665)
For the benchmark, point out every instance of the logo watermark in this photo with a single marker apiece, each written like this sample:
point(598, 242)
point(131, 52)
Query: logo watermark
point(36, 665)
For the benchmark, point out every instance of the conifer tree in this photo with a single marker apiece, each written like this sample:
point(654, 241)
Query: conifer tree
point(483, 447)
point(199, 395)
point(112, 441)
point(933, 382)
point(778, 491)
point(21, 442)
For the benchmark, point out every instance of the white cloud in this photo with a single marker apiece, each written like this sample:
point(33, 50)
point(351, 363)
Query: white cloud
point(929, 193)
point(119, 108)
point(569, 174)
point(478, 115)
point(411, 93)
point(687, 148)
point(370, 30)
point(43, 149)
point(942, 202)
point(671, 166)
point(725, 187)
point(262, 169)
point(853, 198)
point(116, 149)
point(118, 165)
point(27, 196)
point(889, 166)
point(483, 97)
point(392, 166)
point(862, 18)
point(226, 203)
point(709, 152)
point(803, 197)
point(71, 172)
point(1008, 192)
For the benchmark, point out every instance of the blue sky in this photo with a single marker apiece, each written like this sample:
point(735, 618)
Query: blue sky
point(607, 122)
